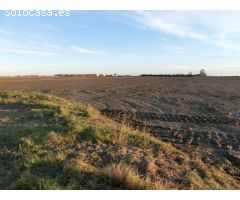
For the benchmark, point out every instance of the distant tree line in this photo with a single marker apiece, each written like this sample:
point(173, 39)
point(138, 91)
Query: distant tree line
point(172, 75)
point(202, 73)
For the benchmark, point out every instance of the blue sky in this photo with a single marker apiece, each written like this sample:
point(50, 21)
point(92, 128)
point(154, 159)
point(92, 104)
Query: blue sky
point(122, 42)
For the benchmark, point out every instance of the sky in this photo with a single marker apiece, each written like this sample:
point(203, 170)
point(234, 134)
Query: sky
point(122, 42)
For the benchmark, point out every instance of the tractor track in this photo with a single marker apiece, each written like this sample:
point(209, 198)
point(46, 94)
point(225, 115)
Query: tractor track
point(179, 136)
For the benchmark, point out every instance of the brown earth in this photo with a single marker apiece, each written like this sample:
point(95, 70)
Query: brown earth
point(198, 115)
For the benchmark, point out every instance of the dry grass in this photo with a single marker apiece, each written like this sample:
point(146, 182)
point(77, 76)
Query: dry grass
point(124, 176)
point(51, 143)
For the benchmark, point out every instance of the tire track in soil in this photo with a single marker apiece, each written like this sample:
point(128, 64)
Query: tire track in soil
point(121, 114)
point(224, 148)
point(182, 137)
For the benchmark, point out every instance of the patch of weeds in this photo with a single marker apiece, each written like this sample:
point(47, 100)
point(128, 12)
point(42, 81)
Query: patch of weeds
point(145, 140)
point(55, 139)
point(195, 179)
point(47, 167)
point(81, 178)
point(138, 140)
point(30, 182)
point(80, 164)
point(120, 136)
point(95, 135)
point(123, 176)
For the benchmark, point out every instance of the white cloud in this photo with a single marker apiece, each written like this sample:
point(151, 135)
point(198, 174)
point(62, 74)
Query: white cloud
point(46, 45)
point(27, 51)
point(31, 48)
point(157, 22)
point(50, 45)
point(213, 28)
point(88, 51)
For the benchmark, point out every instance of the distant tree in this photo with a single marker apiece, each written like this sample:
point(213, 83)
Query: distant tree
point(203, 72)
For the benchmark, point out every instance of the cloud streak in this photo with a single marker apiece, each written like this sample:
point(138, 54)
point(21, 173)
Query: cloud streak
point(47, 45)
point(88, 51)
point(159, 23)
point(185, 26)
point(177, 49)
point(26, 51)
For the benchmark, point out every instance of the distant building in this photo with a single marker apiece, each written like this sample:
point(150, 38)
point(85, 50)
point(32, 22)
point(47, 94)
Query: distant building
point(101, 74)
point(203, 72)
point(82, 75)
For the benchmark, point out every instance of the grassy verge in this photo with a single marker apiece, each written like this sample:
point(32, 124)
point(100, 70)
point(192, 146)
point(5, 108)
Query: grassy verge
point(48, 142)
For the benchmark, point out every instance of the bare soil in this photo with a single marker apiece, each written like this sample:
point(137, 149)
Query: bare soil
point(193, 113)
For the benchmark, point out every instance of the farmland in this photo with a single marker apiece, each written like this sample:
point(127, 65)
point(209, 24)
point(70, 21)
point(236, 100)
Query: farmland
point(197, 116)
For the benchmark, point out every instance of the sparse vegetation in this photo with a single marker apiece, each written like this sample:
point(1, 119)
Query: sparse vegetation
point(124, 176)
point(47, 142)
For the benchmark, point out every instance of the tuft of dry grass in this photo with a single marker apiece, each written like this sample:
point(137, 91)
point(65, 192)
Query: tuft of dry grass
point(125, 176)
point(80, 164)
